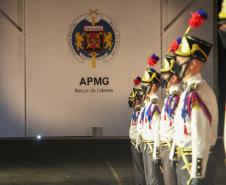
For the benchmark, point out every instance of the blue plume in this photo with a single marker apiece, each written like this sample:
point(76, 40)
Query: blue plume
point(203, 13)
point(155, 57)
point(152, 70)
point(179, 40)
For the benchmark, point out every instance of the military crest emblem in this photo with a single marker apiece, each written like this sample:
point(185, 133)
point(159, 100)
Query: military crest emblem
point(93, 37)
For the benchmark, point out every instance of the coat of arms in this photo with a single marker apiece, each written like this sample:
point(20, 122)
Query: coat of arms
point(93, 37)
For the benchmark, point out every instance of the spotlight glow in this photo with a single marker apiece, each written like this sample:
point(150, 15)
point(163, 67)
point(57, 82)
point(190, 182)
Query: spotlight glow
point(39, 137)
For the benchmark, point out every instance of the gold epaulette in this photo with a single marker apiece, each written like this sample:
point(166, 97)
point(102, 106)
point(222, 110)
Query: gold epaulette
point(147, 98)
point(154, 101)
point(175, 93)
point(167, 93)
point(193, 87)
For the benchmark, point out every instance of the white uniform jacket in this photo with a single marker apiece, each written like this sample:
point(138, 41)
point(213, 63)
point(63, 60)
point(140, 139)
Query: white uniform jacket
point(166, 127)
point(151, 124)
point(139, 127)
point(196, 122)
point(133, 126)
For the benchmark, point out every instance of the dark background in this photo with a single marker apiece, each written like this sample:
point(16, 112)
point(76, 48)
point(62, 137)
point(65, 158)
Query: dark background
point(77, 162)
point(221, 78)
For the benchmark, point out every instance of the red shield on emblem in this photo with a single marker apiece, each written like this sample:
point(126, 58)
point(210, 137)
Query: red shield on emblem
point(93, 38)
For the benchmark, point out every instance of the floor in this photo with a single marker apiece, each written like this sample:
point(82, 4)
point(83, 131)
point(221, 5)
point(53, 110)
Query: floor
point(75, 162)
point(65, 162)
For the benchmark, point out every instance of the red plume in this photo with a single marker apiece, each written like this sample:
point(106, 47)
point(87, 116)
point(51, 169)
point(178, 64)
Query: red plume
point(175, 45)
point(197, 18)
point(152, 61)
point(137, 81)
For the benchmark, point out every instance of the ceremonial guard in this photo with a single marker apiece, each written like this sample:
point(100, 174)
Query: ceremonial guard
point(139, 138)
point(166, 128)
point(135, 102)
point(196, 118)
point(150, 122)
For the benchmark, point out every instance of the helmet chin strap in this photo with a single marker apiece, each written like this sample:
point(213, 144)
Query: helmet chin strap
point(182, 69)
point(168, 79)
point(149, 87)
point(164, 82)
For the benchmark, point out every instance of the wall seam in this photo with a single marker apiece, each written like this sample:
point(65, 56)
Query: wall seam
point(161, 38)
point(25, 73)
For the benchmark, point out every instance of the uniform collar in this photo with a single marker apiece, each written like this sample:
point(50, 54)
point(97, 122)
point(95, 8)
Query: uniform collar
point(173, 88)
point(196, 79)
point(153, 96)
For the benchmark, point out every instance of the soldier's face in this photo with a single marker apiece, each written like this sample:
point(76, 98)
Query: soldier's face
point(182, 66)
point(194, 67)
point(165, 79)
point(182, 60)
point(131, 103)
point(173, 81)
point(165, 76)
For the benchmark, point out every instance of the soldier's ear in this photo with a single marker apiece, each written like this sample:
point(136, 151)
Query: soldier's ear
point(174, 78)
point(193, 64)
point(196, 65)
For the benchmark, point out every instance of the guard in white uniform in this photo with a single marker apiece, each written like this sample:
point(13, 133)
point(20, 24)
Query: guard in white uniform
point(135, 102)
point(139, 139)
point(150, 122)
point(196, 118)
point(166, 130)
